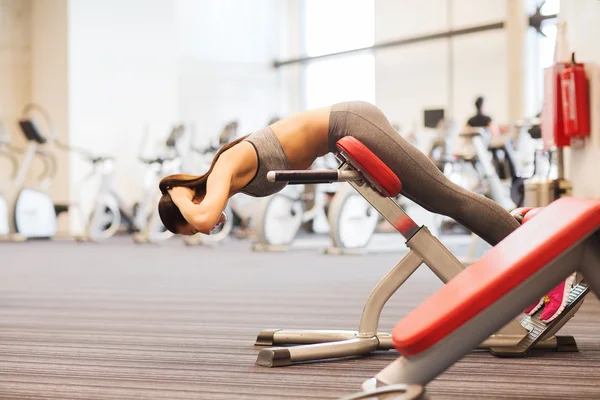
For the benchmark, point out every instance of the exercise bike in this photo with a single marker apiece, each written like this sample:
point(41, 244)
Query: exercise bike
point(488, 167)
point(497, 163)
point(111, 211)
point(438, 150)
point(169, 163)
point(33, 213)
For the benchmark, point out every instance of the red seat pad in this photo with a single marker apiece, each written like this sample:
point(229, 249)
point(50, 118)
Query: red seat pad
point(371, 165)
point(521, 254)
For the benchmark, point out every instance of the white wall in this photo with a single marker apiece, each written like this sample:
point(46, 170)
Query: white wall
point(49, 80)
point(157, 62)
point(583, 32)
point(122, 80)
point(15, 65)
point(226, 51)
point(412, 78)
point(480, 68)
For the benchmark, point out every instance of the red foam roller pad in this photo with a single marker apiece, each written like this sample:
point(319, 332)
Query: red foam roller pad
point(532, 213)
point(371, 166)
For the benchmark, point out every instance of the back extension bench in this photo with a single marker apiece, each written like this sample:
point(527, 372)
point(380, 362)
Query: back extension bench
point(563, 238)
point(366, 173)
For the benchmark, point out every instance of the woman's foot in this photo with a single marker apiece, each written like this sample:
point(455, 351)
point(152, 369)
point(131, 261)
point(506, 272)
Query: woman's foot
point(557, 300)
point(554, 302)
point(535, 307)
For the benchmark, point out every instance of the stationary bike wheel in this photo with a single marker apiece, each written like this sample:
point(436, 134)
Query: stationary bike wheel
point(105, 220)
point(278, 219)
point(156, 231)
point(352, 219)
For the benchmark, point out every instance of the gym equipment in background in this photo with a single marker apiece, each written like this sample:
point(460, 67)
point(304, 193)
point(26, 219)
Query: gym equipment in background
point(146, 217)
point(486, 164)
point(370, 177)
point(550, 246)
point(33, 214)
point(548, 182)
point(14, 163)
point(439, 149)
point(338, 210)
point(352, 220)
point(475, 138)
point(110, 210)
point(488, 169)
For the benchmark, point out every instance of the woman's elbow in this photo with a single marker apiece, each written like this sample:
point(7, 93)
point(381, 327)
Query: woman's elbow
point(202, 224)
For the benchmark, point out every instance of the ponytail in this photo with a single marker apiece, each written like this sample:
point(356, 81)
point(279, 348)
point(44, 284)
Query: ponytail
point(194, 181)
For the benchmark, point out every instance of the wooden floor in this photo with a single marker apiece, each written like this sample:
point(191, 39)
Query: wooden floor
point(120, 321)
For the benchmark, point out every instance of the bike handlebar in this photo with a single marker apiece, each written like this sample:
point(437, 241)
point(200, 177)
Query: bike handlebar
point(302, 177)
point(157, 160)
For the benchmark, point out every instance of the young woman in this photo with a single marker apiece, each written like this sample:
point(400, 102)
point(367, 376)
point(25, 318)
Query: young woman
point(192, 204)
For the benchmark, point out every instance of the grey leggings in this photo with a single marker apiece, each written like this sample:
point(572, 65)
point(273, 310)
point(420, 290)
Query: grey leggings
point(422, 181)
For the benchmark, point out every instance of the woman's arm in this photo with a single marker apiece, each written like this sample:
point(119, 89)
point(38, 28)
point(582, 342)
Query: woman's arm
point(205, 215)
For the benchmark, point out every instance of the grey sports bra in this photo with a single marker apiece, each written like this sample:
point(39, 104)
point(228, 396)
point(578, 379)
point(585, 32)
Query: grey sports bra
point(271, 157)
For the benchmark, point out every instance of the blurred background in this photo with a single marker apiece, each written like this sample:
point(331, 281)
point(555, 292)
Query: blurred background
point(117, 78)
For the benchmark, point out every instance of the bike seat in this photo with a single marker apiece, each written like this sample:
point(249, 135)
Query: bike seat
point(31, 131)
point(377, 174)
point(525, 252)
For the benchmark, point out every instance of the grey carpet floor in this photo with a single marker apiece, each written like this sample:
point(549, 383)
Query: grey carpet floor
point(120, 321)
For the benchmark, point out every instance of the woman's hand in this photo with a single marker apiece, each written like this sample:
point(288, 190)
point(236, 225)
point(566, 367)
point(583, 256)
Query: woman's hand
point(179, 193)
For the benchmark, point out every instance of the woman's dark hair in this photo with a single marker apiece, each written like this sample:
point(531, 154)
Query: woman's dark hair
point(169, 214)
point(479, 103)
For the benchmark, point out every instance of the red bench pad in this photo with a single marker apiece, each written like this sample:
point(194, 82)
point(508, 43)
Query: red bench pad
point(371, 166)
point(521, 254)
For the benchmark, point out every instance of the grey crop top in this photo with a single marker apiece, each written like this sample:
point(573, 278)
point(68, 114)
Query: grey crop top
point(270, 158)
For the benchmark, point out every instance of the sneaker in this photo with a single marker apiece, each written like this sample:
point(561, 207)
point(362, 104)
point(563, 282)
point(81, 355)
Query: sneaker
point(535, 307)
point(557, 300)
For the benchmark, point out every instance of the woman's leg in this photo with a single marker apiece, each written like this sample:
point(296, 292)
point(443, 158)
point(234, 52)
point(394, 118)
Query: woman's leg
point(422, 181)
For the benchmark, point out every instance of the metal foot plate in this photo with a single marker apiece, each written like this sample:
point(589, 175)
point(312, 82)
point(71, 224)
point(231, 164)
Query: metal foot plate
point(265, 337)
point(538, 330)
